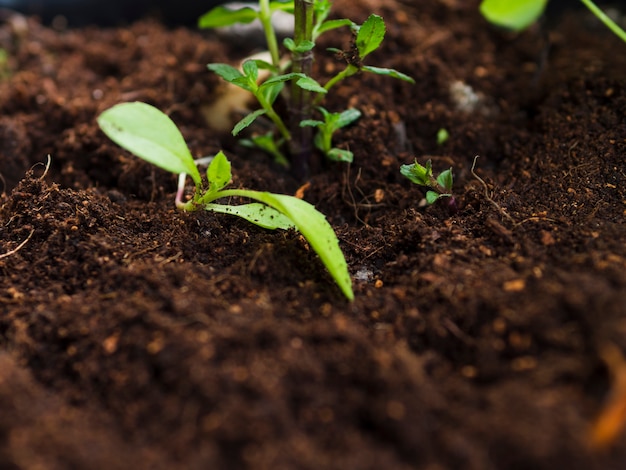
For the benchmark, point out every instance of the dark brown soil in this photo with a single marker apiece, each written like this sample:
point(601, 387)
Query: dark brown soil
point(136, 336)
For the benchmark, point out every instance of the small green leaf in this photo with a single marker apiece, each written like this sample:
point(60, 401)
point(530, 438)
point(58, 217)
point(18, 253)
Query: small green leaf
point(227, 72)
point(246, 121)
point(221, 16)
point(442, 136)
point(513, 15)
point(308, 83)
point(300, 48)
point(311, 123)
point(250, 70)
point(445, 179)
point(218, 173)
point(151, 135)
point(272, 91)
point(432, 196)
point(417, 173)
point(330, 25)
point(387, 72)
point(282, 78)
point(347, 117)
point(259, 214)
point(370, 35)
point(340, 155)
point(282, 5)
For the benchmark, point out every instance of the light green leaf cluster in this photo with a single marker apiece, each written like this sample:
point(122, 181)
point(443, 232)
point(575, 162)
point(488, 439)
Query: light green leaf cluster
point(422, 175)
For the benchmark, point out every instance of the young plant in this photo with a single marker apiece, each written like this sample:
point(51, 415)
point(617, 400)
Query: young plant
point(310, 21)
point(153, 136)
point(332, 122)
point(518, 15)
point(440, 187)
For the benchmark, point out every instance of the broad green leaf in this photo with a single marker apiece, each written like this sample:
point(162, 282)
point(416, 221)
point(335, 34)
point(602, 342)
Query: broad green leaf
point(308, 83)
point(347, 117)
point(340, 155)
point(511, 14)
point(445, 179)
point(370, 35)
point(218, 173)
point(315, 228)
point(151, 135)
point(221, 16)
point(227, 72)
point(387, 72)
point(259, 214)
point(246, 121)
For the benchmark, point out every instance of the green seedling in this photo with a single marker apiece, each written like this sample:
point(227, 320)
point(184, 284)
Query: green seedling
point(439, 187)
point(518, 15)
point(310, 21)
point(151, 135)
point(325, 129)
point(442, 136)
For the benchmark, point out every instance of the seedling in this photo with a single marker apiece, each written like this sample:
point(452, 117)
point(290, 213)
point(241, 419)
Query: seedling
point(518, 15)
point(153, 136)
point(310, 21)
point(440, 187)
point(326, 128)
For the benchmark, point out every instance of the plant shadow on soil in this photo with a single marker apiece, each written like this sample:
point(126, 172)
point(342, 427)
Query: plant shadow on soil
point(136, 336)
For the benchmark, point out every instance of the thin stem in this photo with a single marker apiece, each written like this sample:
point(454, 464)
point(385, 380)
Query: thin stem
point(270, 36)
point(270, 113)
point(345, 73)
point(301, 101)
point(619, 32)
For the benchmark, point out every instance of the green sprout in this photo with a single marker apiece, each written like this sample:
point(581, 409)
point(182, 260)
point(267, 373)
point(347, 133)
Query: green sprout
point(442, 136)
point(518, 15)
point(326, 128)
point(310, 21)
point(151, 135)
point(439, 187)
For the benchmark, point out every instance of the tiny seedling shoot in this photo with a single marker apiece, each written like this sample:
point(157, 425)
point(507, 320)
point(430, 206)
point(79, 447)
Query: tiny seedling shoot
point(518, 15)
point(439, 187)
point(153, 136)
point(305, 94)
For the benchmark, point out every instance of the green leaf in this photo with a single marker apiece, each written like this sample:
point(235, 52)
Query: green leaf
point(303, 46)
point(218, 173)
point(417, 173)
point(272, 91)
point(250, 70)
point(311, 123)
point(442, 136)
point(282, 5)
point(308, 83)
point(317, 231)
point(347, 117)
point(514, 15)
point(151, 135)
point(330, 25)
point(445, 179)
point(246, 121)
point(387, 72)
point(259, 214)
point(432, 196)
point(370, 35)
point(267, 143)
point(221, 16)
point(282, 78)
point(227, 72)
point(340, 155)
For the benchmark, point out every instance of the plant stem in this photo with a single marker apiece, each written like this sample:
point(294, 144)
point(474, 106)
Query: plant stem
point(347, 72)
point(619, 32)
point(270, 113)
point(301, 102)
point(270, 35)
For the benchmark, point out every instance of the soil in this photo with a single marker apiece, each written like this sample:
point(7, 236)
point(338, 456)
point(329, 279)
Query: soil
point(133, 335)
